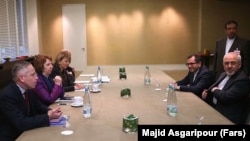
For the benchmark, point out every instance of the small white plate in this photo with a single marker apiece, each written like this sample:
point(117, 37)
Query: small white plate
point(67, 132)
point(76, 105)
point(95, 91)
point(158, 89)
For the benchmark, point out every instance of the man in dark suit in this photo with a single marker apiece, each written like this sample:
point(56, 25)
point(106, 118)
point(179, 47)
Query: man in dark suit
point(198, 78)
point(20, 110)
point(231, 43)
point(229, 93)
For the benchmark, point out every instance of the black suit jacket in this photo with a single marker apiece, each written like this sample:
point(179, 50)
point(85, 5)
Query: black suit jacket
point(242, 44)
point(14, 117)
point(203, 80)
point(232, 100)
point(68, 80)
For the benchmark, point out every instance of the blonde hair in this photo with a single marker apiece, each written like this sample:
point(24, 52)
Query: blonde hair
point(61, 55)
point(67, 52)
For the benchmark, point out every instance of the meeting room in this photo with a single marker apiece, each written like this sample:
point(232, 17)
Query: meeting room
point(105, 67)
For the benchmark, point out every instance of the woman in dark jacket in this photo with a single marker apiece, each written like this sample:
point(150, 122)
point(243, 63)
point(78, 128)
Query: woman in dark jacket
point(61, 68)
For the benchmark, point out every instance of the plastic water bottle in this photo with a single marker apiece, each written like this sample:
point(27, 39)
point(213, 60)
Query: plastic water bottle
point(99, 75)
point(87, 105)
point(147, 76)
point(172, 108)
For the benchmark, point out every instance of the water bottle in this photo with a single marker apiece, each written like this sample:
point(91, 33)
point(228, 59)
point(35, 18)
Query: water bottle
point(87, 106)
point(99, 75)
point(172, 108)
point(147, 76)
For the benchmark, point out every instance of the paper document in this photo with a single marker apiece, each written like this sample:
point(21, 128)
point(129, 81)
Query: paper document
point(105, 79)
point(87, 75)
point(80, 90)
point(83, 81)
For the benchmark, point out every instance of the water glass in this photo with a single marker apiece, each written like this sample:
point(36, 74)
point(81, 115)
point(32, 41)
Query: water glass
point(157, 85)
point(125, 92)
point(66, 126)
point(166, 95)
point(130, 123)
point(200, 119)
point(122, 73)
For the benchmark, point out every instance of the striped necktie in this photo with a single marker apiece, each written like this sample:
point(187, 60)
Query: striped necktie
point(26, 99)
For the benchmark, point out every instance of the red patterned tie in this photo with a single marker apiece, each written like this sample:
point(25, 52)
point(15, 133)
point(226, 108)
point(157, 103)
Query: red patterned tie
point(26, 98)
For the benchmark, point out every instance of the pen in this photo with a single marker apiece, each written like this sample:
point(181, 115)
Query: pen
point(62, 104)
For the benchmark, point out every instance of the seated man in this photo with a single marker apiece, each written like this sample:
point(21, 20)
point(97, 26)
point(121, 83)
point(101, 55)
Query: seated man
point(198, 78)
point(20, 110)
point(230, 92)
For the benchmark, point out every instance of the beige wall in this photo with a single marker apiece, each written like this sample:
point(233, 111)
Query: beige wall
point(143, 31)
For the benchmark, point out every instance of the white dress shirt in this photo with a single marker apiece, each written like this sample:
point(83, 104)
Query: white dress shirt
point(221, 86)
point(229, 44)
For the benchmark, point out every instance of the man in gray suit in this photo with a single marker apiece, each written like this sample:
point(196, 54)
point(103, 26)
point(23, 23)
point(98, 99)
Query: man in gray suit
point(231, 43)
point(229, 93)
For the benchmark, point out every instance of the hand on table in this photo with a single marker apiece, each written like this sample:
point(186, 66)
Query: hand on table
point(78, 86)
point(54, 113)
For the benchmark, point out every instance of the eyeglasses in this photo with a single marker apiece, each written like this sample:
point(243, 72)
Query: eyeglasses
point(187, 64)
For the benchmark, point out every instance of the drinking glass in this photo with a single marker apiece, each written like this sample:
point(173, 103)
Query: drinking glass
point(66, 126)
point(122, 73)
point(166, 95)
point(125, 92)
point(200, 119)
point(130, 123)
point(157, 85)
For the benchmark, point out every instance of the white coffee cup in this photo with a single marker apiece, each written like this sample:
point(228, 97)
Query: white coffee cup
point(95, 87)
point(77, 100)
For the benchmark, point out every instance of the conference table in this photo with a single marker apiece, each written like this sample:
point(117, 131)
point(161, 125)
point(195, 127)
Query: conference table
point(109, 107)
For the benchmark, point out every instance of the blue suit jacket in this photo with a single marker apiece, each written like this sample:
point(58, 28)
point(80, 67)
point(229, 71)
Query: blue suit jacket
point(232, 100)
point(203, 80)
point(14, 118)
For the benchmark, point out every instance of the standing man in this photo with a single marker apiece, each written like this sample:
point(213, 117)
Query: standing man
point(231, 43)
point(198, 78)
point(20, 110)
point(229, 93)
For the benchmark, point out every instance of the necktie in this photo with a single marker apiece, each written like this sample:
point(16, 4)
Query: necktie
point(194, 76)
point(26, 99)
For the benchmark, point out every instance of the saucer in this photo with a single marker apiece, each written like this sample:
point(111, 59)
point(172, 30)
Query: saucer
point(95, 91)
point(67, 132)
point(76, 105)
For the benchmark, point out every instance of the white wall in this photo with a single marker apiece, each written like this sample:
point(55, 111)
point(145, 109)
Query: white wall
point(32, 27)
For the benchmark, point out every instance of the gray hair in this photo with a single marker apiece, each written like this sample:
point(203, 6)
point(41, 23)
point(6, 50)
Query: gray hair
point(234, 53)
point(18, 67)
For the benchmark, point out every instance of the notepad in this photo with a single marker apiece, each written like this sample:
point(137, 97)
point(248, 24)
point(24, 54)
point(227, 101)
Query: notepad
point(58, 122)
